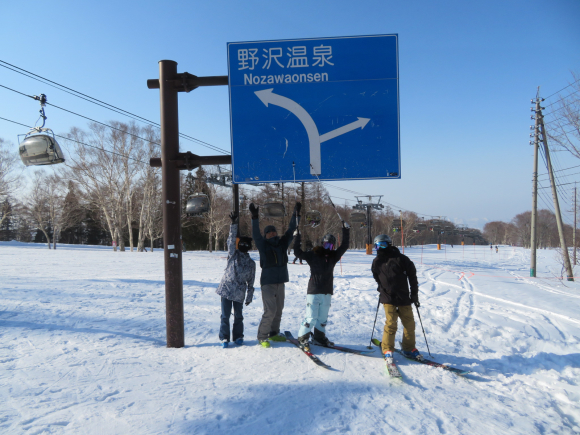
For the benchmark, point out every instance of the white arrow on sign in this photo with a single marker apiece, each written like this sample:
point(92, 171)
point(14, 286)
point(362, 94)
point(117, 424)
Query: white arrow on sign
point(269, 97)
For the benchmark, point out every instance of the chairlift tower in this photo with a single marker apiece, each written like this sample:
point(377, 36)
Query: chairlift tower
point(368, 206)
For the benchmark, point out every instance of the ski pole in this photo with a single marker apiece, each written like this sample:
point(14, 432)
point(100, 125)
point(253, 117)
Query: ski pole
point(376, 315)
point(417, 308)
point(333, 206)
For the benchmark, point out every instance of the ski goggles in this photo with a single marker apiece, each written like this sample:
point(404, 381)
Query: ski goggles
point(381, 245)
point(244, 246)
point(328, 245)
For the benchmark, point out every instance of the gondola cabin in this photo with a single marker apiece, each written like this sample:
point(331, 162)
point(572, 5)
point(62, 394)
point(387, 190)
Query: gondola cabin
point(273, 210)
point(40, 149)
point(197, 205)
point(358, 218)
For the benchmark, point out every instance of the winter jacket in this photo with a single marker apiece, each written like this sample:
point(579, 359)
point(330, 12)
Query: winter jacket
point(394, 272)
point(322, 262)
point(240, 272)
point(273, 253)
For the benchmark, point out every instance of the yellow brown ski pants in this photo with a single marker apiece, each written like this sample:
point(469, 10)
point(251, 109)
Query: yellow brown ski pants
point(392, 314)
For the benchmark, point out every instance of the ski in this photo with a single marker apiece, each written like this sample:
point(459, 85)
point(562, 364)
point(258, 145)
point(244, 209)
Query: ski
point(310, 355)
point(392, 368)
point(347, 349)
point(428, 362)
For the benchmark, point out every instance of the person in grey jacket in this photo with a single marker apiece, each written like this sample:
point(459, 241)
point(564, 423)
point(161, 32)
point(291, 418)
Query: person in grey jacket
point(240, 273)
point(274, 262)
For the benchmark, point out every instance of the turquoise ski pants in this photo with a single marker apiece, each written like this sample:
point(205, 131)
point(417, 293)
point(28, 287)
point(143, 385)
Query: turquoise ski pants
point(317, 307)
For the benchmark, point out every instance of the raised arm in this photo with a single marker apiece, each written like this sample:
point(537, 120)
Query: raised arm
point(232, 239)
point(345, 242)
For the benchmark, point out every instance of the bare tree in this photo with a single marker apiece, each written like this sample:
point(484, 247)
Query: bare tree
point(8, 176)
point(36, 204)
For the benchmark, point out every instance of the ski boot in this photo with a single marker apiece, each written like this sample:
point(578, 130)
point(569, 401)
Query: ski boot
point(264, 343)
point(414, 354)
point(278, 337)
point(225, 343)
point(321, 339)
point(239, 341)
point(305, 342)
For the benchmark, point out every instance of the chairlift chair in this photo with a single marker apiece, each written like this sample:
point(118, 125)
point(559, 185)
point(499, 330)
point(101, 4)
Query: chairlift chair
point(313, 218)
point(197, 205)
point(273, 210)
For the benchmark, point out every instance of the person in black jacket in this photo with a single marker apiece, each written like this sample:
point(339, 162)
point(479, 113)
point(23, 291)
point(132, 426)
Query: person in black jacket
point(274, 264)
point(321, 260)
point(394, 273)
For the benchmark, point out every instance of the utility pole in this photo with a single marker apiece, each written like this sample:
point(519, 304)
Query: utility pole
point(536, 134)
point(574, 232)
point(171, 162)
point(563, 246)
point(402, 231)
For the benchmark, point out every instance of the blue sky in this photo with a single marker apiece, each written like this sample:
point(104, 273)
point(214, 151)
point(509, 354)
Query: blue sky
point(467, 73)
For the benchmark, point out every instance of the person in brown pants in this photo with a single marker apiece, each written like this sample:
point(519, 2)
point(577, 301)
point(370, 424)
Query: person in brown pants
point(398, 288)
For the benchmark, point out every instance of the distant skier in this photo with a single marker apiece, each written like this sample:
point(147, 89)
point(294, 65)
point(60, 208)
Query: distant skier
point(274, 263)
point(321, 260)
point(240, 273)
point(496, 249)
point(394, 273)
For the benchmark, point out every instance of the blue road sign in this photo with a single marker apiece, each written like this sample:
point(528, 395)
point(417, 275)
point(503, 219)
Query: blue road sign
point(323, 108)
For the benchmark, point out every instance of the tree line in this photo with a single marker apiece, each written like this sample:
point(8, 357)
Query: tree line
point(106, 193)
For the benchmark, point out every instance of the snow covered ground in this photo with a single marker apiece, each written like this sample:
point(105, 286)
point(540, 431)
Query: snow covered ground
point(82, 349)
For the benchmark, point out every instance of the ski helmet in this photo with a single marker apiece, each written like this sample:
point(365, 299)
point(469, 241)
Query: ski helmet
point(245, 244)
point(328, 241)
point(382, 241)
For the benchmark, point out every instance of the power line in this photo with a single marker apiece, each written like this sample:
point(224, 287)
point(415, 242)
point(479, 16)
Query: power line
point(82, 143)
point(565, 87)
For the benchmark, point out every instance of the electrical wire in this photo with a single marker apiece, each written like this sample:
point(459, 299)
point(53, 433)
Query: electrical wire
point(103, 104)
point(82, 143)
point(565, 87)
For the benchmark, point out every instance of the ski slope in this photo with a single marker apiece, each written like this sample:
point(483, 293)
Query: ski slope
point(82, 349)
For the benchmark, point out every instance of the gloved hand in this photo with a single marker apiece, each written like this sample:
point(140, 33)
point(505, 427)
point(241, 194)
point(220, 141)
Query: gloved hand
point(248, 301)
point(233, 217)
point(297, 208)
point(254, 210)
point(415, 300)
point(345, 224)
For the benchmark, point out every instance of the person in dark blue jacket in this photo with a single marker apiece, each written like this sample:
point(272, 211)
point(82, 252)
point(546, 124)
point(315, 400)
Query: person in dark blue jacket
point(274, 263)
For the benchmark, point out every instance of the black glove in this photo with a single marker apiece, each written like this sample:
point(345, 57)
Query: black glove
point(248, 303)
point(254, 210)
point(233, 217)
point(415, 300)
point(297, 208)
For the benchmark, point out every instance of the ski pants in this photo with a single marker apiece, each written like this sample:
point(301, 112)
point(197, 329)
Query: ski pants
point(273, 300)
point(317, 307)
point(392, 314)
point(238, 329)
